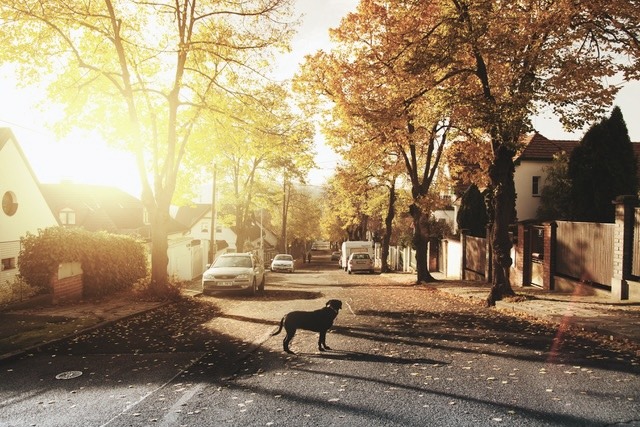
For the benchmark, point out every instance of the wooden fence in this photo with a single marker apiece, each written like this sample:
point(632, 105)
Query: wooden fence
point(475, 254)
point(584, 251)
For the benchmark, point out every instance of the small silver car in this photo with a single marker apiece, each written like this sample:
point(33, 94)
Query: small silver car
point(234, 271)
point(283, 262)
point(359, 261)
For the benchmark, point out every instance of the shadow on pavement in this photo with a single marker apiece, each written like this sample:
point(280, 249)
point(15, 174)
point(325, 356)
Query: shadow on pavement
point(355, 356)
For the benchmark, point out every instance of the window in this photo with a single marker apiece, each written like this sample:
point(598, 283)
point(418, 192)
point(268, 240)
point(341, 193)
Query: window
point(8, 264)
point(535, 186)
point(204, 226)
point(67, 216)
point(9, 203)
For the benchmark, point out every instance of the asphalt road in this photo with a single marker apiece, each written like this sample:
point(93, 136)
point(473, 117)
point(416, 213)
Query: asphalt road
point(402, 356)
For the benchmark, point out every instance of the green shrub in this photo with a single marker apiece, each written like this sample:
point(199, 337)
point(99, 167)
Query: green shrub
point(109, 262)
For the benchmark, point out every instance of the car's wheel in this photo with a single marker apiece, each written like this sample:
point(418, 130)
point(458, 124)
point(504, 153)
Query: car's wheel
point(253, 288)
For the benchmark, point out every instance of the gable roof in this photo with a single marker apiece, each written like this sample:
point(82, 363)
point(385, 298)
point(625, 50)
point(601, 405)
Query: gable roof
point(538, 147)
point(97, 208)
point(191, 215)
point(102, 208)
point(6, 135)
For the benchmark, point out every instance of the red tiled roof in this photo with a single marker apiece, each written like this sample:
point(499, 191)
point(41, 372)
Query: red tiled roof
point(538, 147)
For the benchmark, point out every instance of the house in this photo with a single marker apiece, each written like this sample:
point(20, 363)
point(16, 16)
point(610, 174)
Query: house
point(97, 208)
point(24, 208)
point(28, 206)
point(102, 208)
point(197, 218)
point(530, 173)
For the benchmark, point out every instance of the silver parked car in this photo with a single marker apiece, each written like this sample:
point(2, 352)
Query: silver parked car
point(359, 261)
point(283, 262)
point(235, 271)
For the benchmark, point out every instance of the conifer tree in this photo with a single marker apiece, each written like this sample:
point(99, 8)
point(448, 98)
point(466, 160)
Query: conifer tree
point(601, 168)
point(472, 215)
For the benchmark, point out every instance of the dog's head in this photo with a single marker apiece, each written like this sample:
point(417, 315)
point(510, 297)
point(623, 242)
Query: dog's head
point(335, 304)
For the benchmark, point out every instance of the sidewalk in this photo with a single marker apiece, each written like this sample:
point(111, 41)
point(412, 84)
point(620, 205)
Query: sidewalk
point(616, 320)
point(23, 331)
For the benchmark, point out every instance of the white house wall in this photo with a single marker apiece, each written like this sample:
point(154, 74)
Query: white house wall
point(33, 212)
point(526, 203)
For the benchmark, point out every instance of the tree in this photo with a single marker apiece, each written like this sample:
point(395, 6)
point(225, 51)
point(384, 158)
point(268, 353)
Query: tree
point(143, 74)
point(472, 215)
point(350, 190)
point(514, 58)
point(304, 217)
point(555, 197)
point(263, 139)
point(369, 76)
point(601, 168)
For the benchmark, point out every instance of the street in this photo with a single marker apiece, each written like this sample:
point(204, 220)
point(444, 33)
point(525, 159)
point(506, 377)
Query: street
point(402, 355)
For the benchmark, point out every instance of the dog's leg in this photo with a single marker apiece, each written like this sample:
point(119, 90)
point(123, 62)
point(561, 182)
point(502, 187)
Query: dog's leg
point(287, 340)
point(322, 345)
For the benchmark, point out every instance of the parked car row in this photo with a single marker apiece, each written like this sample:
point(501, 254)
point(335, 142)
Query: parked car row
point(242, 272)
point(245, 272)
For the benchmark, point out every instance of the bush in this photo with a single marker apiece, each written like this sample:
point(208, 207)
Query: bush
point(109, 262)
point(16, 291)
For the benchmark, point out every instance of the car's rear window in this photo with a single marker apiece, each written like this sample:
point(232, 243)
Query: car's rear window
point(233, 261)
point(360, 256)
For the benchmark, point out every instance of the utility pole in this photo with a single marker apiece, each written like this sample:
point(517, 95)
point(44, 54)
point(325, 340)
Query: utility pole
point(212, 248)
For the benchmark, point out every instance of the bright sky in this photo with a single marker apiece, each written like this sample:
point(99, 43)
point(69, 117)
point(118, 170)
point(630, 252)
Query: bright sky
point(84, 158)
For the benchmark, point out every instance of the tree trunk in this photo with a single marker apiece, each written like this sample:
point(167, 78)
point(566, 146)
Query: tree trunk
point(388, 222)
point(503, 214)
point(420, 242)
point(159, 255)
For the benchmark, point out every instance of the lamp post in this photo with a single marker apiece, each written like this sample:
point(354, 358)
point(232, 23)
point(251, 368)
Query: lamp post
point(212, 249)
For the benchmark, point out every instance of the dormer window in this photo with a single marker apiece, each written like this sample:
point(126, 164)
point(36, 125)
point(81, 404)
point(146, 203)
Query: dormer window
point(67, 216)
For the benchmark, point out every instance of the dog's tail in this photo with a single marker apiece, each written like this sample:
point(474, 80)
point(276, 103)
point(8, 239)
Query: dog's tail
point(279, 327)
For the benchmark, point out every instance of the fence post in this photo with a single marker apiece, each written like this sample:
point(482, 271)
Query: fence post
point(549, 257)
point(622, 246)
point(522, 268)
point(463, 255)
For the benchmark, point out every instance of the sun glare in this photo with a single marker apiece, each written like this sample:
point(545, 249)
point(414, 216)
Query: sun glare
point(82, 161)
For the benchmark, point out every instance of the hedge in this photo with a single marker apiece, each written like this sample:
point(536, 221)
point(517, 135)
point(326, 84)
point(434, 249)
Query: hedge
point(109, 262)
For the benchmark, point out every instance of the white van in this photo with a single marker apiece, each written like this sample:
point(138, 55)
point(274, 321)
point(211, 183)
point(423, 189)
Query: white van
point(353, 246)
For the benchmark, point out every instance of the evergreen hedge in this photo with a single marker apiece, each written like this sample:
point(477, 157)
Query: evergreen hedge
point(110, 262)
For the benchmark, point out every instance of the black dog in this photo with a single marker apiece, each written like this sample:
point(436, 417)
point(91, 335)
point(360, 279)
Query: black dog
point(316, 321)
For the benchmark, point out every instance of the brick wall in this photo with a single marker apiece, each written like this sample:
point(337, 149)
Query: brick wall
point(67, 283)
